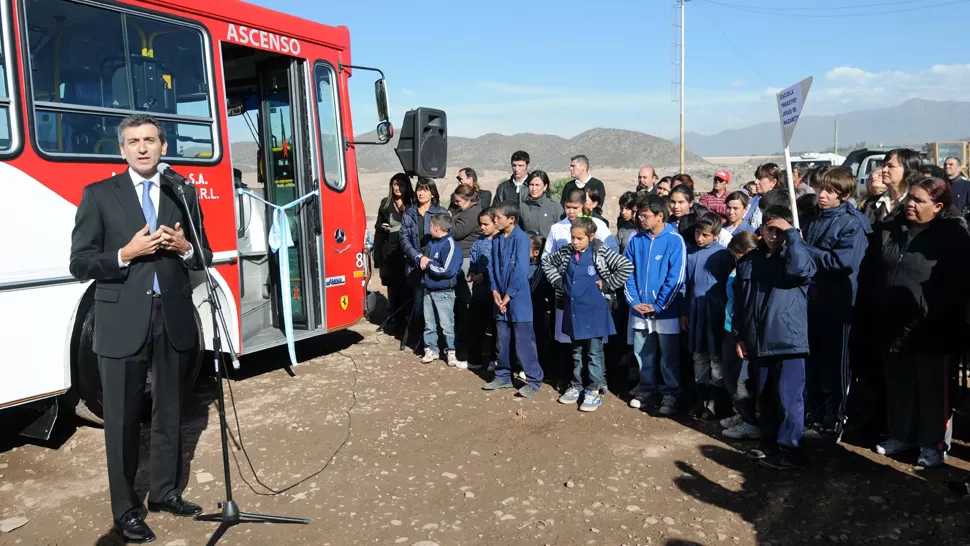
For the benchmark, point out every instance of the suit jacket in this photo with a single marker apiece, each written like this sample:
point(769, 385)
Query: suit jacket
point(506, 192)
point(593, 183)
point(108, 217)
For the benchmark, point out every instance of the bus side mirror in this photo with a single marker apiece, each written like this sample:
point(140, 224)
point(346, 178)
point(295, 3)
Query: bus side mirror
point(384, 132)
point(380, 92)
point(423, 144)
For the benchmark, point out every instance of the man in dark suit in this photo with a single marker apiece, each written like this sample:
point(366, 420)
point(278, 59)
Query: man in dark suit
point(144, 316)
point(468, 177)
point(579, 170)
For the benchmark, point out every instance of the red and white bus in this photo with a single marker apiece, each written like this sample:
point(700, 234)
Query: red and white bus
point(215, 73)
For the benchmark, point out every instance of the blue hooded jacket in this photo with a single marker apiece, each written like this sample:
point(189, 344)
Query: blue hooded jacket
point(770, 299)
point(446, 260)
point(837, 239)
point(659, 271)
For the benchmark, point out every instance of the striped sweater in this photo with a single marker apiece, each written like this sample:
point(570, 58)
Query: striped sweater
point(611, 267)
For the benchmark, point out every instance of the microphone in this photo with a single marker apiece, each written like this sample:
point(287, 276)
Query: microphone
point(169, 174)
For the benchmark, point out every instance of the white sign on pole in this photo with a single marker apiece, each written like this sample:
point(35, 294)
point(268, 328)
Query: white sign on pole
point(790, 104)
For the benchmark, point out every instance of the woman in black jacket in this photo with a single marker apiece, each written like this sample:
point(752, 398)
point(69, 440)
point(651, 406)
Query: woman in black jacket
point(919, 265)
point(388, 256)
point(468, 177)
point(900, 170)
point(465, 231)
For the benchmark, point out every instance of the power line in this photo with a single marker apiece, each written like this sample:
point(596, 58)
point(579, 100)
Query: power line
point(767, 11)
point(751, 65)
point(817, 8)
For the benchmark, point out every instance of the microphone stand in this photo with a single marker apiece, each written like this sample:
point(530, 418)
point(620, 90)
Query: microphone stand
point(230, 514)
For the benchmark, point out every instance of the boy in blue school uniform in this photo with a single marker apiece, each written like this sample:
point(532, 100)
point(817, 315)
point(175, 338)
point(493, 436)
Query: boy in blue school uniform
point(708, 266)
point(586, 273)
point(441, 268)
point(836, 236)
point(771, 325)
point(508, 272)
point(653, 292)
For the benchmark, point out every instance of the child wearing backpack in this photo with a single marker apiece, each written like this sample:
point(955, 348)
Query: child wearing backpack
point(586, 273)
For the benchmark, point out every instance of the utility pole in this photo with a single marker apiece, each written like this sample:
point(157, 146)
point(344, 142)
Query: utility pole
point(677, 71)
point(835, 149)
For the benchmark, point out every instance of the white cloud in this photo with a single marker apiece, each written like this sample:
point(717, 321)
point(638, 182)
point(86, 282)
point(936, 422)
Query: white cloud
point(849, 74)
point(862, 89)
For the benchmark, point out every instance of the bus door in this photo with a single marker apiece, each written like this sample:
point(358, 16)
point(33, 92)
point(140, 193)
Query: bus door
point(287, 176)
point(342, 233)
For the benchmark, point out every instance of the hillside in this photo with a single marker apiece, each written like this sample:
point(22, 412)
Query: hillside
point(613, 148)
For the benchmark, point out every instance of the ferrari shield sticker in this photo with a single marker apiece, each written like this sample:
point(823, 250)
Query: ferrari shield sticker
point(344, 302)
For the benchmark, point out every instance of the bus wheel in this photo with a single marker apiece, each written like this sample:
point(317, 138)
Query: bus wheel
point(87, 396)
point(87, 378)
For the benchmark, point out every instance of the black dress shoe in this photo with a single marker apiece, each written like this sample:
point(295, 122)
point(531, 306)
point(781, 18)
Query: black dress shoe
point(134, 529)
point(175, 505)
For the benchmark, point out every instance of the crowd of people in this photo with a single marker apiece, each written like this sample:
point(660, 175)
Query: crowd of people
point(755, 308)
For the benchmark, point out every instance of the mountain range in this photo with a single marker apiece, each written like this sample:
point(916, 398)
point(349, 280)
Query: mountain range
point(912, 123)
point(615, 148)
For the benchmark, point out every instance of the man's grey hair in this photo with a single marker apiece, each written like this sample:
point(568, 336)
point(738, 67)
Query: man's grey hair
point(581, 159)
point(954, 158)
point(137, 120)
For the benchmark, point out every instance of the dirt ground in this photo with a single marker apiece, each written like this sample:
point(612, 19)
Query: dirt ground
point(385, 450)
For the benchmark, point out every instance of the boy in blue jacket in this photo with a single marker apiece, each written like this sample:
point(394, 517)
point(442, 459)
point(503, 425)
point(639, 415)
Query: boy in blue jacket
point(837, 237)
point(771, 325)
point(708, 267)
point(653, 293)
point(441, 268)
point(508, 271)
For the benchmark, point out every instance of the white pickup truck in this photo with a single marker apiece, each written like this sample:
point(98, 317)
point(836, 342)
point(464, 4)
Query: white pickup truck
point(812, 160)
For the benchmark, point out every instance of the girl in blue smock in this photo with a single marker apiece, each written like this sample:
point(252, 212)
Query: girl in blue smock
point(586, 273)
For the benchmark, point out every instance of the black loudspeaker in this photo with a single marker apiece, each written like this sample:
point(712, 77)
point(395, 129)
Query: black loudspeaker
point(423, 146)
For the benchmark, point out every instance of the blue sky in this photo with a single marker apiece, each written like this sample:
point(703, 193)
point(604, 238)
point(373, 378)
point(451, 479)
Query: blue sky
point(565, 66)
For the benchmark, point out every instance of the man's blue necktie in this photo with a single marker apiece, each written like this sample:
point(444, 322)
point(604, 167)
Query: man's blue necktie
point(148, 208)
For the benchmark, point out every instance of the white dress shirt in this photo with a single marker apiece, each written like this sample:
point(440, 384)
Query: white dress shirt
point(153, 194)
point(581, 184)
point(560, 235)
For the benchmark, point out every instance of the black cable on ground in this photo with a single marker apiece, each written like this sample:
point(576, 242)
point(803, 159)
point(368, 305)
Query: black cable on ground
point(333, 457)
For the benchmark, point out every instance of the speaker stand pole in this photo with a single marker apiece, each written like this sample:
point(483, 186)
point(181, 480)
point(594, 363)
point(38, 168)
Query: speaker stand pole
point(230, 515)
